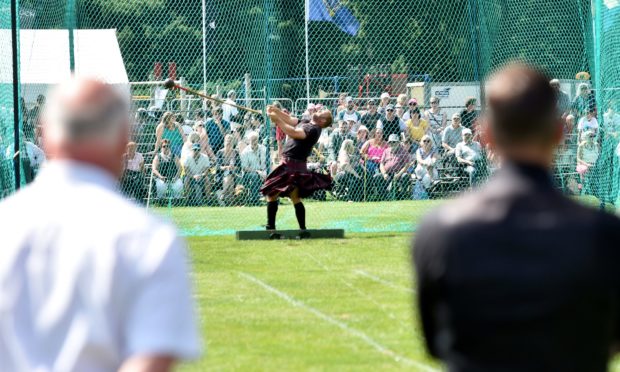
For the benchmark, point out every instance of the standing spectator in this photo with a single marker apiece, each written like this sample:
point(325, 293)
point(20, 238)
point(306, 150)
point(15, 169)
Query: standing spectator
point(185, 125)
point(371, 117)
point(393, 165)
point(335, 142)
point(391, 124)
point(26, 124)
point(587, 155)
point(347, 178)
point(584, 102)
point(170, 130)
point(416, 129)
point(167, 170)
point(588, 123)
point(90, 282)
point(469, 154)
point(196, 180)
point(451, 137)
point(254, 167)
point(517, 277)
point(217, 129)
point(411, 105)
point(349, 112)
point(563, 100)
point(426, 157)
point(229, 113)
point(373, 150)
point(187, 150)
point(227, 170)
point(385, 101)
point(437, 121)
point(35, 118)
point(203, 139)
point(469, 114)
point(132, 180)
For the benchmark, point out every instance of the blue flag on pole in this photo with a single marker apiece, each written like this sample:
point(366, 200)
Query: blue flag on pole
point(333, 11)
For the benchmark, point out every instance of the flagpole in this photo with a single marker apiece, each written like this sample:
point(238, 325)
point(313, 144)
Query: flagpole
point(204, 49)
point(307, 3)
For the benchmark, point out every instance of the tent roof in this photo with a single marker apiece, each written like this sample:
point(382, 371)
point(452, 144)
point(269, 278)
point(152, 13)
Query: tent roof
point(44, 56)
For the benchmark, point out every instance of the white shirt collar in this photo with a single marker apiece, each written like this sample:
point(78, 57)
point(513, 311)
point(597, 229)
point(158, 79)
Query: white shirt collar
point(71, 171)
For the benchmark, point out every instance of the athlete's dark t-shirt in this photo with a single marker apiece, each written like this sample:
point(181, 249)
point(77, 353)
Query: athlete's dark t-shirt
point(300, 149)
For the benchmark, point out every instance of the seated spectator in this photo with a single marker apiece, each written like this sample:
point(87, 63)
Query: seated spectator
point(393, 165)
point(371, 117)
point(385, 100)
point(401, 100)
point(437, 121)
point(587, 155)
point(167, 172)
point(372, 151)
point(391, 124)
point(348, 179)
point(254, 167)
point(469, 114)
point(349, 113)
point(416, 128)
point(411, 105)
point(187, 150)
point(399, 111)
point(451, 137)
point(197, 183)
point(335, 142)
point(132, 181)
point(169, 129)
point(570, 137)
point(426, 157)
point(588, 123)
point(227, 170)
point(469, 154)
point(611, 121)
point(217, 128)
point(342, 104)
point(310, 110)
point(280, 136)
point(361, 137)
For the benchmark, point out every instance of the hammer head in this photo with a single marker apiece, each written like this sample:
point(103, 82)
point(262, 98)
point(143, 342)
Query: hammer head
point(169, 84)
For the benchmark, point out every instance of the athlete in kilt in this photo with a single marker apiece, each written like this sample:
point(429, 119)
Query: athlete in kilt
point(292, 178)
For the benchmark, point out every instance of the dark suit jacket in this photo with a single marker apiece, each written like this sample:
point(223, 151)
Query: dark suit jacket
point(517, 277)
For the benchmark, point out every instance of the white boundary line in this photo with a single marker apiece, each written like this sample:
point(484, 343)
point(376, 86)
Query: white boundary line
point(386, 283)
point(354, 332)
point(360, 292)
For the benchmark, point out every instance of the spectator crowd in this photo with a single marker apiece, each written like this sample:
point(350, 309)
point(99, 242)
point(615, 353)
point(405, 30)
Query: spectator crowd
point(390, 148)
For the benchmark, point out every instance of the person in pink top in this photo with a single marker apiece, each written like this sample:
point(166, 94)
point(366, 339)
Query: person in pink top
point(372, 151)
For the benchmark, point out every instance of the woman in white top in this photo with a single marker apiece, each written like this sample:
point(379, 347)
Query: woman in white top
point(588, 123)
point(437, 121)
point(426, 156)
point(133, 176)
point(187, 151)
point(347, 158)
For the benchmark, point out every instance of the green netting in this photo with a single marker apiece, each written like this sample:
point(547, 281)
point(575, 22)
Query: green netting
point(423, 50)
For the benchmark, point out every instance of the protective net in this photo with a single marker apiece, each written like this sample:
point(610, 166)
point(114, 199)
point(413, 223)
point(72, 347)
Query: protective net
point(404, 81)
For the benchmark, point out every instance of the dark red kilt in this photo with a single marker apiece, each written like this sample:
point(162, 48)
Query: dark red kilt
point(289, 175)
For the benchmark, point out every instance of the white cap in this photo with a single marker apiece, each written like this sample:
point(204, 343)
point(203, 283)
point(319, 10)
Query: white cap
point(466, 131)
point(385, 95)
point(348, 99)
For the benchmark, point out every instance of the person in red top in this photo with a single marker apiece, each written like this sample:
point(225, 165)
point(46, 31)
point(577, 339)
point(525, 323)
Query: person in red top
point(292, 178)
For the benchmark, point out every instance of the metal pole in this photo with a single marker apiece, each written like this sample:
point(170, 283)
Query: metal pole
point(16, 109)
point(70, 27)
point(204, 50)
point(307, 57)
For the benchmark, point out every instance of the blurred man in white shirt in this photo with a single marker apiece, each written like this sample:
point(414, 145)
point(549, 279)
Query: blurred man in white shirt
point(90, 282)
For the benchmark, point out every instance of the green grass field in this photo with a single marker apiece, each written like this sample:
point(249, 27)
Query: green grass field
point(315, 305)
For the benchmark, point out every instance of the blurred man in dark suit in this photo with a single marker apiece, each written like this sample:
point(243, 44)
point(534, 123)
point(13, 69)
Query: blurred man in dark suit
point(515, 276)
